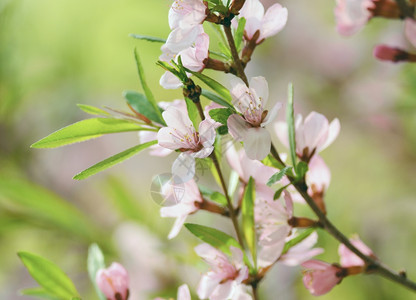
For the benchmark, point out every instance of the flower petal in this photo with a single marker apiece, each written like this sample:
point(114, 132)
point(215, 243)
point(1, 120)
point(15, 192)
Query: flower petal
point(257, 143)
point(274, 20)
point(183, 168)
point(333, 131)
point(410, 30)
point(261, 87)
point(237, 127)
point(169, 81)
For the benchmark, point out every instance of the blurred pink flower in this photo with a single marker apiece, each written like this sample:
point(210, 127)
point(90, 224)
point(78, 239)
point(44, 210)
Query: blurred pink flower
point(181, 135)
point(269, 23)
point(113, 282)
point(352, 15)
point(246, 168)
point(348, 258)
point(186, 196)
point(301, 252)
point(183, 293)
point(186, 13)
point(320, 277)
point(410, 30)
point(249, 128)
point(226, 275)
point(312, 135)
point(271, 219)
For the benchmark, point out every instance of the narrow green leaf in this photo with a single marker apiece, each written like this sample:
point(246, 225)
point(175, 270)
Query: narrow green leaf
point(279, 192)
point(147, 38)
point(270, 161)
point(95, 263)
point(297, 239)
point(225, 50)
point(113, 160)
point(49, 276)
point(248, 218)
point(301, 169)
point(86, 130)
point(214, 237)
point(37, 204)
point(192, 112)
point(215, 85)
point(213, 195)
point(140, 104)
point(290, 119)
point(92, 110)
point(238, 37)
point(145, 87)
point(278, 176)
point(233, 183)
point(216, 99)
point(221, 115)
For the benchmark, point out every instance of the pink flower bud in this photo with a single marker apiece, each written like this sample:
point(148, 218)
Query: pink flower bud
point(348, 258)
point(384, 52)
point(113, 282)
point(320, 277)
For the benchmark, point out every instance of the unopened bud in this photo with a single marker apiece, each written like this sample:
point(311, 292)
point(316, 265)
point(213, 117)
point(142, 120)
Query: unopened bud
point(113, 282)
point(387, 53)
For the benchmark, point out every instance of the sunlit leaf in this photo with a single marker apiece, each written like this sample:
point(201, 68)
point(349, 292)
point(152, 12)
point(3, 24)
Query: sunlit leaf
point(86, 130)
point(301, 169)
point(213, 195)
point(270, 161)
point(92, 110)
point(297, 239)
point(215, 85)
point(141, 105)
point(290, 119)
point(95, 263)
point(146, 89)
point(192, 112)
point(238, 37)
point(221, 115)
point(39, 292)
point(215, 98)
point(113, 160)
point(214, 237)
point(49, 276)
point(248, 218)
point(148, 38)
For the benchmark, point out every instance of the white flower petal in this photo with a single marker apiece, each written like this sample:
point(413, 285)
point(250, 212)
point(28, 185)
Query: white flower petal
point(169, 81)
point(183, 168)
point(237, 127)
point(274, 20)
point(257, 143)
point(177, 226)
point(333, 131)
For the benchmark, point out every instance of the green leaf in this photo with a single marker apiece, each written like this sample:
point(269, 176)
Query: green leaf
point(140, 104)
point(86, 130)
point(214, 237)
point(278, 176)
point(95, 263)
point(113, 160)
point(270, 161)
point(92, 110)
point(148, 38)
point(290, 119)
point(37, 204)
point(49, 276)
point(279, 192)
point(221, 115)
point(238, 37)
point(248, 218)
point(216, 99)
point(222, 130)
point(145, 87)
point(215, 85)
point(301, 169)
point(213, 195)
point(297, 240)
point(192, 112)
point(39, 292)
point(233, 183)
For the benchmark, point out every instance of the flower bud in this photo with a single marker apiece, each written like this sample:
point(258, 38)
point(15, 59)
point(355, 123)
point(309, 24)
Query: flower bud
point(113, 282)
point(384, 52)
point(320, 277)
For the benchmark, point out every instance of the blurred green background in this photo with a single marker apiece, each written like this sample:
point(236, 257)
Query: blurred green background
point(55, 54)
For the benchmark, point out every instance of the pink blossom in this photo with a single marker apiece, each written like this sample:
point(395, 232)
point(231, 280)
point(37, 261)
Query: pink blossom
point(352, 15)
point(246, 168)
point(187, 13)
point(269, 23)
point(181, 135)
point(348, 258)
point(301, 252)
point(320, 277)
point(186, 197)
point(318, 176)
point(113, 282)
point(387, 53)
point(312, 135)
point(226, 275)
point(249, 126)
point(183, 293)
point(193, 51)
point(271, 219)
point(148, 136)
